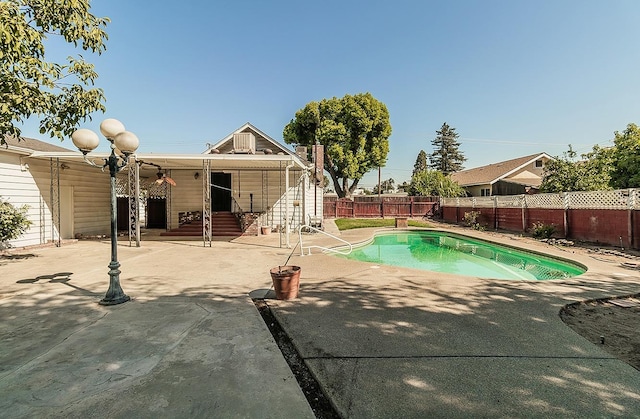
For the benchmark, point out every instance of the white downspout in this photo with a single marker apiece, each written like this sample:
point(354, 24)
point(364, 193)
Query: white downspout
point(286, 202)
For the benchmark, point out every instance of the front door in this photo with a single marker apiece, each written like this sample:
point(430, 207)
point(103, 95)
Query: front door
point(156, 213)
point(220, 192)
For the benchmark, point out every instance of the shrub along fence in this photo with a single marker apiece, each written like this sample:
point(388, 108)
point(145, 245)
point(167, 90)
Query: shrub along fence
point(368, 206)
point(607, 217)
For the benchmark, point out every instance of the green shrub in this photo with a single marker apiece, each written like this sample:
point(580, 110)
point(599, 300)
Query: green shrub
point(540, 230)
point(13, 221)
point(470, 219)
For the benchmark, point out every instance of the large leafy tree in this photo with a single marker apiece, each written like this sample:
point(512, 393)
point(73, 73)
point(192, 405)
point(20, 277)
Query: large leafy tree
point(434, 183)
point(626, 158)
point(447, 156)
point(355, 133)
point(568, 173)
point(60, 95)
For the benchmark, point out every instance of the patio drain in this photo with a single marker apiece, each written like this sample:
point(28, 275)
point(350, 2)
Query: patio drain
point(319, 402)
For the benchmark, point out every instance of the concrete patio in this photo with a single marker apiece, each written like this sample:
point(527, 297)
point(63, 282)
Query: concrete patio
point(382, 341)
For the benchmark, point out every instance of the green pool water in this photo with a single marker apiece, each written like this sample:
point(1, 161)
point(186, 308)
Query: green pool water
point(443, 252)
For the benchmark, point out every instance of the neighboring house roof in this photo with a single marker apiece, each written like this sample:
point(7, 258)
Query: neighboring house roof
point(492, 173)
point(27, 145)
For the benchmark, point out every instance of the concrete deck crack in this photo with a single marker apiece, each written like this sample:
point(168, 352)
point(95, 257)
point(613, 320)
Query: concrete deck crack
point(460, 356)
point(89, 324)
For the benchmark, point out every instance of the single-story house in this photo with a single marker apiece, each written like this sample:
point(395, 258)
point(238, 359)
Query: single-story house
point(522, 175)
point(248, 175)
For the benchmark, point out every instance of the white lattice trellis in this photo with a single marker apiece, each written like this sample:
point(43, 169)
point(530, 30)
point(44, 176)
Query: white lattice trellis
point(466, 202)
point(510, 201)
point(618, 199)
point(484, 202)
point(545, 200)
point(449, 202)
point(122, 185)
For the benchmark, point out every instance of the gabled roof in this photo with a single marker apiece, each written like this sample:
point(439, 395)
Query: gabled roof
point(276, 145)
point(28, 145)
point(492, 173)
point(222, 161)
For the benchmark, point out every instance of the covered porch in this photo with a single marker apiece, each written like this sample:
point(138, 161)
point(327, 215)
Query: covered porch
point(276, 192)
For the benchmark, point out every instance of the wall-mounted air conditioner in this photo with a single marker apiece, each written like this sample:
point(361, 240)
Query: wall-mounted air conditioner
point(244, 143)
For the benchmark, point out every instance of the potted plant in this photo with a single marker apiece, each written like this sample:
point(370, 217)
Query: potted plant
point(286, 281)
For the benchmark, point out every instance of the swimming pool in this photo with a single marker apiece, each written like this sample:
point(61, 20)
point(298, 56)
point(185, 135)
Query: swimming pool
point(444, 252)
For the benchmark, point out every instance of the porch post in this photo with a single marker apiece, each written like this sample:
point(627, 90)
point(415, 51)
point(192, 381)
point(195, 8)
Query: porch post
point(286, 201)
point(134, 200)
point(54, 196)
point(206, 203)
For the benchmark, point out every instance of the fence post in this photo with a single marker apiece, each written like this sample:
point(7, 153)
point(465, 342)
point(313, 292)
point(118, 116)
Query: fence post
point(630, 206)
point(565, 221)
point(382, 207)
point(411, 208)
point(523, 209)
point(495, 211)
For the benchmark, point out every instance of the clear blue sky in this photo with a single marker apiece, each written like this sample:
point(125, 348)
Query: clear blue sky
point(513, 77)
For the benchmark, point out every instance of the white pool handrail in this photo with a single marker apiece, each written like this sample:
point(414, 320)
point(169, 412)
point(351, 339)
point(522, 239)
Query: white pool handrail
point(324, 249)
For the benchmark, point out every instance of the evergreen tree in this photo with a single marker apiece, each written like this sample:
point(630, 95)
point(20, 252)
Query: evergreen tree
point(447, 158)
point(421, 163)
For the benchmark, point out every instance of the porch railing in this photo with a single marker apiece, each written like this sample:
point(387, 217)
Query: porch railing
point(324, 249)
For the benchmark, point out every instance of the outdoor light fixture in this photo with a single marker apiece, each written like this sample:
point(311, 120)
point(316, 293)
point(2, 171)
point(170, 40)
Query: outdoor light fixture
point(123, 144)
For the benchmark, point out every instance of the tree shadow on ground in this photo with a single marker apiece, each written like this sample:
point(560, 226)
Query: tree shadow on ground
point(410, 345)
point(202, 352)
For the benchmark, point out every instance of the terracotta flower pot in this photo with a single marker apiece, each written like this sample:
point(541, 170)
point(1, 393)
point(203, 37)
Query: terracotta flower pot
point(265, 229)
point(286, 281)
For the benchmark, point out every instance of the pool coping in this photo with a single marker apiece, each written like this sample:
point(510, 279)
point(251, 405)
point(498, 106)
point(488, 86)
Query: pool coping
point(465, 236)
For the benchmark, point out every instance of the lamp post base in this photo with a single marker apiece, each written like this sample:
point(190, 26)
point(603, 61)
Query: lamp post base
point(113, 301)
point(114, 294)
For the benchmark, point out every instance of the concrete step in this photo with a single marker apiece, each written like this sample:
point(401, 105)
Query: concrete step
point(222, 224)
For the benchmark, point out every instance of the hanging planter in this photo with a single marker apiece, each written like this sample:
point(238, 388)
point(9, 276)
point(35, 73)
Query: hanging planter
point(286, 281)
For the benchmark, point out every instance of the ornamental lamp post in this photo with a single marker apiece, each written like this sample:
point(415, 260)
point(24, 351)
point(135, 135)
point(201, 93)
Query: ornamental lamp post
point(125, 143)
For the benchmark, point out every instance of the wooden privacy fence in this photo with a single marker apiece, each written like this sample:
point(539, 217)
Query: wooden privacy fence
point(608, 217)
point(377, 207)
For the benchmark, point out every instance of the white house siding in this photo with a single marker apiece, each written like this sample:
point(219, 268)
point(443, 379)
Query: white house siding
point(312, 197)
point(265, 188)
point(187, 194)
point(84, 198)
point(300, 197)
point(257, 189)
point(91, 195)
point(18, 187)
